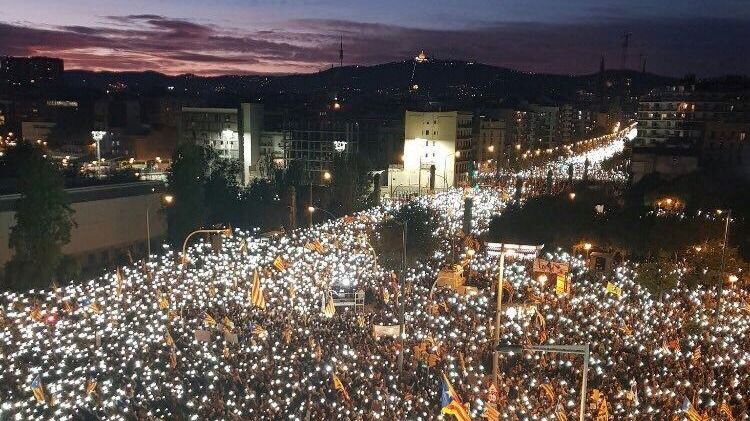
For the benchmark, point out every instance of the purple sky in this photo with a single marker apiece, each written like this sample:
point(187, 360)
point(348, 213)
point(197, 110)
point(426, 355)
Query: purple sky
point(706, 37)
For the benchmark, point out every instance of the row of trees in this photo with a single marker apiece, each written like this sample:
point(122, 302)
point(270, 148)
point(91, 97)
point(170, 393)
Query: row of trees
point(207, 192)
point(43, 222)
point(626, 223)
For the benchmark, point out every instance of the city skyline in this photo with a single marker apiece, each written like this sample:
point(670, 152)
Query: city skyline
point(232, 37)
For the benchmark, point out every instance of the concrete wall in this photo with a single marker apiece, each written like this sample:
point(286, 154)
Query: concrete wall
point(111, 220)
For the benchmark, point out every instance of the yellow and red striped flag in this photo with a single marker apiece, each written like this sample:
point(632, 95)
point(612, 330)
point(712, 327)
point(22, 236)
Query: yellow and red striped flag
point(340, 387)
point(280, 264)
point(256, 296)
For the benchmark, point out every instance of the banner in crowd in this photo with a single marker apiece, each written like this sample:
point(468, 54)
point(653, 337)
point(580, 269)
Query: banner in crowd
point(379, 331)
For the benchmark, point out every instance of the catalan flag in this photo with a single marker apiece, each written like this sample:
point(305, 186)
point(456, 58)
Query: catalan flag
point(280, 264)
point(451, 402)
point(96, 308)
point(256, 296)
point(38, 388)
point(548, 391)
point(90, 386)
point(696, 356)
point(329, 309)
point(726, 410)
point(36, 314)
point(340, 388)
point(168, 339)
point(560, 414)
point(491, 413)
point(209, 320)
point(315, 246)
point(259, 331)
point(690, 412)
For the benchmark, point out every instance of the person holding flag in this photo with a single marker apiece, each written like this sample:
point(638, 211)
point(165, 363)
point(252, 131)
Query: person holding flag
point(256, 295)
point(38, 388)
point(451, 403)
point(340, 388)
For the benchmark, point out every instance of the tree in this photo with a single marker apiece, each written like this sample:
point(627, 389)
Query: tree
point(222, 191)
point(658, 275)
point(350, 184)
point(44, 220)
point(421, 242)
point(186, 180)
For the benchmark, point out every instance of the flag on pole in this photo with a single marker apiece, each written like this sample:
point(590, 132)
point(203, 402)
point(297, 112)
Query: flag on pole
point(38, 388)
point(451, 403)
point(280, 264)
point(340, 388)
point(329, 310)
point(118, 274)
point(690, 412)
point(256, 297)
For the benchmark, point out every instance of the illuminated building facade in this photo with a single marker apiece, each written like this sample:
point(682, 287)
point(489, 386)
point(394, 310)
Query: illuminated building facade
point(233, 132)
point(314, 141)
point(442, 139)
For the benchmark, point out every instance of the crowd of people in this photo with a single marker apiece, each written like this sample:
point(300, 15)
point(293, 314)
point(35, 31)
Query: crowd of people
point(248, 329)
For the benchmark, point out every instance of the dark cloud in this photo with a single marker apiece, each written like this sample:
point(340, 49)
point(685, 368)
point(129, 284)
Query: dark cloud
point(154, 42)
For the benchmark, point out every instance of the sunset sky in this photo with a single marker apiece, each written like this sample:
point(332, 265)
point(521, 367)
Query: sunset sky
point(288, 36)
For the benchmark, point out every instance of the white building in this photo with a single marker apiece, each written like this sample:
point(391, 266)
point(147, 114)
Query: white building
point(233, 132)
point(442, 139)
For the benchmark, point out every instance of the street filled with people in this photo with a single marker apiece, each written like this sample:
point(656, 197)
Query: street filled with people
point(251, 327)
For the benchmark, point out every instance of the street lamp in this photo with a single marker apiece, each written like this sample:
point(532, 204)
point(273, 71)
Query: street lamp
point(402, 299)
point(168, 199)
point(723, 253)
point(561, 349)
point(572, 195)
point(312, 209)
point(223, 231)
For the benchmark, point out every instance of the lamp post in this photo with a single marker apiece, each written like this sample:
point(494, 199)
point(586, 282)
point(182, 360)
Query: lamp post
point(402, 299)
point(561, 349)
point(224, 231)
point(168, 199)
point(723, 253)
point(312, 209)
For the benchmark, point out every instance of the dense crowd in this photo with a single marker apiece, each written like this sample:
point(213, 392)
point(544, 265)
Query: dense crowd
point(174, 339)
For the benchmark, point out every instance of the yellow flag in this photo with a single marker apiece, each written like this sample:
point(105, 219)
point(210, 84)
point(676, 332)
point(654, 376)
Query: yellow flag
point(209, 320)
point(329, 310)
point(614, 289)
point(279, 264)
point(163, 302)
point(256, 296)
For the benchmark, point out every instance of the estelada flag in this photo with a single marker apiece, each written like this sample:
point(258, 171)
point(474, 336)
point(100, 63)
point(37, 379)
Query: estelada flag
point(256, 296)
point(451, 403)
point(38, 388)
